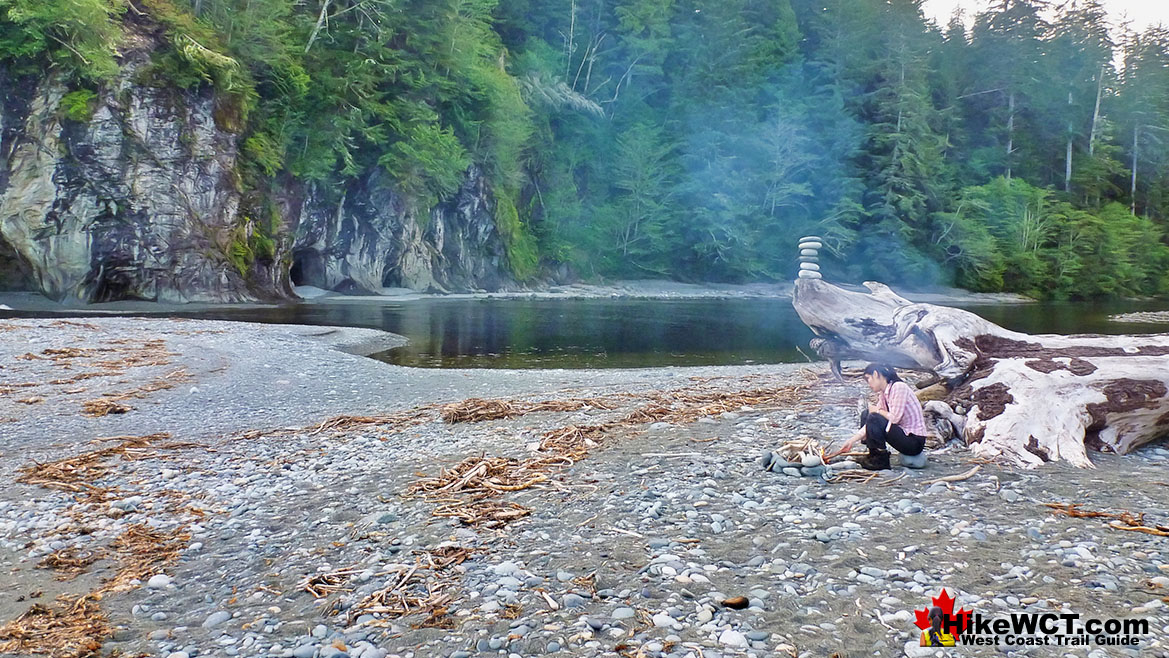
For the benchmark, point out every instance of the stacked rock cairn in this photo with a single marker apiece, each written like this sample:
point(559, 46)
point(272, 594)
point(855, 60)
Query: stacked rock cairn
point(810, 256)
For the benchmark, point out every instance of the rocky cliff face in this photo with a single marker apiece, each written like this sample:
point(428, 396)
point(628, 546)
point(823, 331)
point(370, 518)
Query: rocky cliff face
point(138, 202)
point(369, 237)
point(143, 201)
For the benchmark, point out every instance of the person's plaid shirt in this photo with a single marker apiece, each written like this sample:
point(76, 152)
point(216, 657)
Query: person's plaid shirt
point(897, 396)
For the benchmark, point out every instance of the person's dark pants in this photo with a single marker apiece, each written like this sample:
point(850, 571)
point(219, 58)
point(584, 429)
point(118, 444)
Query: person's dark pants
point(876, 438)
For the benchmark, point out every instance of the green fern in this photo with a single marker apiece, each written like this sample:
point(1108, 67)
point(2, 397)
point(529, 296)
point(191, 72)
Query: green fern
point(79, 105)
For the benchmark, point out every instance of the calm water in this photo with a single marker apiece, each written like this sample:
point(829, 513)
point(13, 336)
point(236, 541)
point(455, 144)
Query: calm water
point(610, 333)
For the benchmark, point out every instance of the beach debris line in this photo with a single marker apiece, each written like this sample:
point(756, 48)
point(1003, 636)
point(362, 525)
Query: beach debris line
point(77, 474)
point(466, 491)
point(477, 410)
point(112, 403)
point(111, 359)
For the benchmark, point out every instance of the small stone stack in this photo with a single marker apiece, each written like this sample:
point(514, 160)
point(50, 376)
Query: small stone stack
point(806, 465)
point(810, 256)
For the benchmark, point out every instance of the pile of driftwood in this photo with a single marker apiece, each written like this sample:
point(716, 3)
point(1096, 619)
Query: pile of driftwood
point(75, 628)
point(426, 587)
point(70, 562)
point(142, 552)
point(68, 628)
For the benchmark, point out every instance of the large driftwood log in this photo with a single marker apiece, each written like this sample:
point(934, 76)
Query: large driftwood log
point(1028, 398)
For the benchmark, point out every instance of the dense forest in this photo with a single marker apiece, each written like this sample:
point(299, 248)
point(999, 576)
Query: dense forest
point(1025, 149)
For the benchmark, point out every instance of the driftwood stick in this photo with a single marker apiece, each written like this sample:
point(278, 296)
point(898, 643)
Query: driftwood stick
point(955, 478)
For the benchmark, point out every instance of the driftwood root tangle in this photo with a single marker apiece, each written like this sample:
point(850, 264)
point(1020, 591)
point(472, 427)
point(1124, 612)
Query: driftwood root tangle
point(1027, 399)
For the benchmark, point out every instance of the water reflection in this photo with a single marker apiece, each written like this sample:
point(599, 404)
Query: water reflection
point(608, 333)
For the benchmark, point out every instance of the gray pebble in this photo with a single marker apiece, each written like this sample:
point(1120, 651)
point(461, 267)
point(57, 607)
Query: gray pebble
point(216, 619)
point(573, 601)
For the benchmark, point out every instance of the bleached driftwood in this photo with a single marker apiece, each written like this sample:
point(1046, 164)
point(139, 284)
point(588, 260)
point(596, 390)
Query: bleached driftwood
point(1029, 398)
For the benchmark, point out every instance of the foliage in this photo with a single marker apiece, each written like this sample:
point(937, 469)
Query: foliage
point(522, 256)
point(682, 138)
point(79, 35)
point(79, 105)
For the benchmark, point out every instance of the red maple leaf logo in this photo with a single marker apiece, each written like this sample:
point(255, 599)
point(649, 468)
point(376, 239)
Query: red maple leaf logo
point(946, 603)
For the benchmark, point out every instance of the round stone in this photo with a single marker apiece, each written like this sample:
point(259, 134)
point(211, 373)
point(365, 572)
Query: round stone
point(573, 601)
point(217, 619)
point(811, 244)
point(732, 638)
point(766, 460)
point(814, 471)
point(159, 581)
point(806, 274)
point(808, 265)
point(808, 252)
point(624, 613)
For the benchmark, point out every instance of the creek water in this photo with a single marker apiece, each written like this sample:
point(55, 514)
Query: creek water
point(618, 332)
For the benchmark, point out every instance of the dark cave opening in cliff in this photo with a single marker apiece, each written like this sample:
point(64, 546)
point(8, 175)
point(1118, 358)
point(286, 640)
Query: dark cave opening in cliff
point(14, 273)
point(308, 268)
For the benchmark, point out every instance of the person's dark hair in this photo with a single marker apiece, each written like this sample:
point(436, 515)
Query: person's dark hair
point(885, 371)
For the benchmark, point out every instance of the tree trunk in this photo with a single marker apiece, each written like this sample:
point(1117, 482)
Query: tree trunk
point(1096, 112)
point(1067, 161)
point(322, 18)
point(1010, 130)
point(1136, 129)
point(1029, 399)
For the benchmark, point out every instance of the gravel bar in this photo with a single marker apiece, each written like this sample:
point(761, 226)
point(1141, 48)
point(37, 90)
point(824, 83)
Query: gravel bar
point(278, 532)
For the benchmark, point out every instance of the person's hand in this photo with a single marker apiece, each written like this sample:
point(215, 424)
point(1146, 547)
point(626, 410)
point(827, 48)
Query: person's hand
point(874, 409)
point(848, 445)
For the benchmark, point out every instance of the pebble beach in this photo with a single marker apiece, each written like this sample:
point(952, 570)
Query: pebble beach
point(183, 488)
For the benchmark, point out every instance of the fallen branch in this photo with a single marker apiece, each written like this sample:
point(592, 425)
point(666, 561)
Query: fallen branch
point(955, 478)
point(1123, 520)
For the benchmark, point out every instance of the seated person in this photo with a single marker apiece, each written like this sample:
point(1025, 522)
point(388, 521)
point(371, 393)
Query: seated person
point(895, 421)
